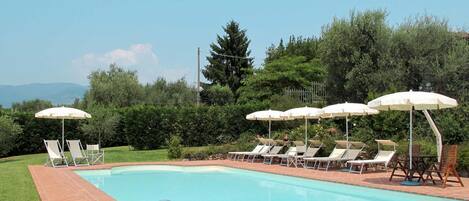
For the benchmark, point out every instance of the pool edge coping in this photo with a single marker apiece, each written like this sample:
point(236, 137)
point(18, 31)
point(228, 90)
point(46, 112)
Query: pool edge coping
point(220, 164)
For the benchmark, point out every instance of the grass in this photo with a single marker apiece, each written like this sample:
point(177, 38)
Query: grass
point(16, 183)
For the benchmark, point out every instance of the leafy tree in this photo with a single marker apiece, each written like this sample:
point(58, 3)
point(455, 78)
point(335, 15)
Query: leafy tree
point(116, 87)
point(286, 72)
point(177, 93)
point(229, 61)
point(217, 95)
point(35, 105)
point(102, 127)
point(455, 74)
point(296, 46)
point(420, 48)
point(8, 131)
point(356, 53)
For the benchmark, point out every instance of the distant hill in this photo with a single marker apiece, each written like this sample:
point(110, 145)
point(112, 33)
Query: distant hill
point(57, 93)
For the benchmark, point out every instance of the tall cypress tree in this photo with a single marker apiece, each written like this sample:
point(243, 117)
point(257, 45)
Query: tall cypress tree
point(229, 61)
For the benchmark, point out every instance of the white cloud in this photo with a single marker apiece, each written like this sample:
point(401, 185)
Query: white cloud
point(139, 57)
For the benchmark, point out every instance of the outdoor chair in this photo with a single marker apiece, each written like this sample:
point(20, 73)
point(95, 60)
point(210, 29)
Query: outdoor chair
point(95, 154)
point(56, 157)
point(78, 153)
point(337, 152)
point(382, 158)
point(350, 154)
point(235, 154)
point(269, 157)
point(447, 167)
point(252, 156)
point(285, 158)
point(402, 164)
point(311, 151)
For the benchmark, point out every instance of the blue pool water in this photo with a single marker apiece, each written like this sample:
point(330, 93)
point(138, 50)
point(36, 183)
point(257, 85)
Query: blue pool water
point(212, 183)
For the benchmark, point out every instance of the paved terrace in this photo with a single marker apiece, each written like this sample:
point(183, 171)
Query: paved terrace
point(62, 184)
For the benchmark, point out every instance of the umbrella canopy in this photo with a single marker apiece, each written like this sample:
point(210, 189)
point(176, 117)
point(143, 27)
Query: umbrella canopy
point(347, 110)
point(266, 115)
point(62, 113)
point(303, 113)
point(415, 100)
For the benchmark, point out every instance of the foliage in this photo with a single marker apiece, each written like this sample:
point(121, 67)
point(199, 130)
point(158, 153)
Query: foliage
point(455, 72)
point(217, 95)
point(420, 48)
point(8, 132)
point(229, 61)
point(35, 105)
point(286, 72)
point(356, 52)
point(36, 130)
point(102, 127)
point(204, 153)
point(177, 93)
point(246, 141)
point(114, 87)
point(296, 46)
point(174, 147)
point(148, 127)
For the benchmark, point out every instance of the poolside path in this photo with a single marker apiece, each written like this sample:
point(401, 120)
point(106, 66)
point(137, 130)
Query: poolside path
point(64, 185)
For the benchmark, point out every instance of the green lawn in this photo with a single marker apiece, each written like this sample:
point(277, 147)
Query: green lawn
point(16, 182)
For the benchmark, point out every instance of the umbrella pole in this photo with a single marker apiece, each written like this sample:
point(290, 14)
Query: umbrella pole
point(306, 132)
point(346, 128)
point(270, 125)
point(63, 131)
point(410, 141)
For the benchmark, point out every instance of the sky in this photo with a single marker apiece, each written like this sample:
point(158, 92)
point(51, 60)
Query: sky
point(63, 41)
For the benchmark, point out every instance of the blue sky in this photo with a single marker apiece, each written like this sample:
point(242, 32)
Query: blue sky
point(62, 41)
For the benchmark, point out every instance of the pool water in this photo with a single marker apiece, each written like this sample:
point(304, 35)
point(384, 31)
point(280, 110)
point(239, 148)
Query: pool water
point(213, 183)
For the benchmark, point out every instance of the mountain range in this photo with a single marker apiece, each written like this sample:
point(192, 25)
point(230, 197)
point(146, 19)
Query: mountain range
point(57, 93)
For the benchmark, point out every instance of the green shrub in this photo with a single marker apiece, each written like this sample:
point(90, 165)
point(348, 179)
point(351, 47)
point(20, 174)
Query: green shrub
point(9, 130)
point(102, 127)
point(246, 141)
point(204, 153)
point(174, 147)
point(217, 95)
point(36, 130)
point(148, 127)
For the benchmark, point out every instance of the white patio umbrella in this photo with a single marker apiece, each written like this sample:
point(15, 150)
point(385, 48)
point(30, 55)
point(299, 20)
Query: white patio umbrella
point(303, 113)
point(62, 113)
point(266, 115)
point(347, 110)
point(415, 100)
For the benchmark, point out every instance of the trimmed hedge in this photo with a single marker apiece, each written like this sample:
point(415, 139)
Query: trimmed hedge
point(149, 127)
point(145, 127)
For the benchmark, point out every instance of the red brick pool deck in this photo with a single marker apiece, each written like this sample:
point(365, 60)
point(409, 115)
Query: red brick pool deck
point(62, 184)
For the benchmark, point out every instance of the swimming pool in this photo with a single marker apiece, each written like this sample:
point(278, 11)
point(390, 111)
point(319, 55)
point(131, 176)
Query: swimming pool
point(214, 183)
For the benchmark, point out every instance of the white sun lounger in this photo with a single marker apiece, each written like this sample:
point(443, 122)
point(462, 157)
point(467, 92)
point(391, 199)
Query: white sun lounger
point(55, 154)
point(268, 158)
point(311, 151)
point(350, 154)
point(235, 154)
point(252, 156)
point(335, 154)
point(382, 158)
point(291, 152)
point(78, 154)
